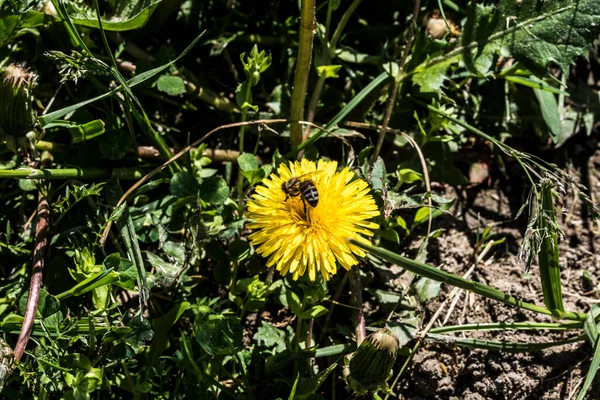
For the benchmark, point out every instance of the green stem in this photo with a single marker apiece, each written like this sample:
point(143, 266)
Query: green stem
point(307, 24)
point(436, 274)
point(71, 173)
point(240, 180)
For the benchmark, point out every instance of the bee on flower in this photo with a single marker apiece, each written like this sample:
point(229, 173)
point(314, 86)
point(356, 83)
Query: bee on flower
point(304, 214)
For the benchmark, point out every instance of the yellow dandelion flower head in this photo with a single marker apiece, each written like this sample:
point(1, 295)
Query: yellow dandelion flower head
point(298, 241)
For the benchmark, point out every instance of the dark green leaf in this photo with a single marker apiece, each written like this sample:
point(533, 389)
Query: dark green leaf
point(183, 184)
point(123, 16)
point(214, 190)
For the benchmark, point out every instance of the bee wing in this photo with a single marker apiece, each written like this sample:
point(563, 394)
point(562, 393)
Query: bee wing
point(310, 175)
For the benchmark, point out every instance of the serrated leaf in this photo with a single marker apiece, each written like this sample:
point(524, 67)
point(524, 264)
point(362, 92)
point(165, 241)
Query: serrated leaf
point(535, 32)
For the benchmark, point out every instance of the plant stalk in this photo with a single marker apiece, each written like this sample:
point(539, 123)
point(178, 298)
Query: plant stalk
point(356, 288)
point(35, 285)
point(307, 28)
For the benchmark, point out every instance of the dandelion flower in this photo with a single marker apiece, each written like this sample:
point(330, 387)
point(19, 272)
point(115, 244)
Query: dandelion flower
point(314, 241)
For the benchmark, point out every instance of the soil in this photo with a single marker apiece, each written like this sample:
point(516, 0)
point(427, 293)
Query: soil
point(451, 372)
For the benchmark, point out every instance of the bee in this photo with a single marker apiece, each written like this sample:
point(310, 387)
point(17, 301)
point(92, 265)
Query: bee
point(306, 189)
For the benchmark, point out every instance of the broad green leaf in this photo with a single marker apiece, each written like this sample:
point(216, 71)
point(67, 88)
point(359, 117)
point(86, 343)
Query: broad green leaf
point(538, 33)
point(247, 162)
point(161, 326)
point(427, 289)
point(314, 312)
point(12, 24)
point(122, 16)
point(183, 184)
point(214, 190)
point(550, 113)
point(239, 250)
point(171, 85)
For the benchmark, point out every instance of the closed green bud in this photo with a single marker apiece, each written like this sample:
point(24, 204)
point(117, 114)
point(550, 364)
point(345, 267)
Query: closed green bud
point(17, 117)
point(371, 365)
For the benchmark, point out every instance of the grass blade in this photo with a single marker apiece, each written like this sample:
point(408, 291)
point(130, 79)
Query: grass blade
point(548, 253)
point(431, 272)
point(507, 347)
point(136, 80)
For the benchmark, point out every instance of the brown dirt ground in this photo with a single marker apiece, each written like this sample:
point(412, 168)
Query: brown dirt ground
point(449, 372)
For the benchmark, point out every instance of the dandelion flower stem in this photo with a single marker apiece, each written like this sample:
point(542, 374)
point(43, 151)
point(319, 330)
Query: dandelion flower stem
point(356, 288)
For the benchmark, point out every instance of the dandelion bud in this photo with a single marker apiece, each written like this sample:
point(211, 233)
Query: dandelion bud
point(371, 365)
point(17, 117)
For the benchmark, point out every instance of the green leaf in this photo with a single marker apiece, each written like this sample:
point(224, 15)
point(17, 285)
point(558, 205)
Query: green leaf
point(408, 175)
point(87, 131)
point(548, 258)
point(247, 162)
point(293, 302)
point(113, 145)
point(122, 16)
point(214, 190)
point(308, 386)
point(593, 369)
point(183, 184)
point(161, 326)
point(378, 175)
point(427, 289)
point(550, 113)
point(406, 328)
point(269, 336)
point(328, 71)
point(171, 85)
point(144, 76)
point(239, 250)
point(12, 24)
point(538, 33)
point(314, 312)
point(220, 337)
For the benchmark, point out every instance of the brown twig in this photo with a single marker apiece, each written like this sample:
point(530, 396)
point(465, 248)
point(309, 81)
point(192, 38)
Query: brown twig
point(394, 93)
point(39, 254)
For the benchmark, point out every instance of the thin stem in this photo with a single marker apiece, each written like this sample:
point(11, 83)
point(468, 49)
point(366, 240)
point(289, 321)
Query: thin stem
point(307, 28)
point(35, 285)
point(240, 180)
point(71, 173)
point(394, 93)
point(355, 286)
point(328, 53)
